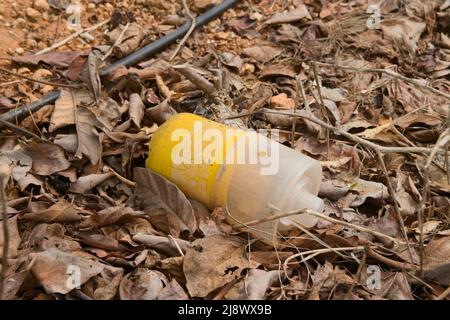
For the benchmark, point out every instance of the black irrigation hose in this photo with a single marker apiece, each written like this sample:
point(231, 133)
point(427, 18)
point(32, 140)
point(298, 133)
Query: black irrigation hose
point(131, 59)
point(24, 111)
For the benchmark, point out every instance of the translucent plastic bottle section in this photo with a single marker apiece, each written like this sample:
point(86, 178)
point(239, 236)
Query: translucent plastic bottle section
point(251, 176)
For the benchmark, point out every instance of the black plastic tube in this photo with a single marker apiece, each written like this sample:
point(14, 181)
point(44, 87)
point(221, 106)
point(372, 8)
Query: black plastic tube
point(167, 40)
point(24, 111)
point(131, 59)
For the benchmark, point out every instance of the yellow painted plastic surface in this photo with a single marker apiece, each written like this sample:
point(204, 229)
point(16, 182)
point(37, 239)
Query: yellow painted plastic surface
point(206, 182)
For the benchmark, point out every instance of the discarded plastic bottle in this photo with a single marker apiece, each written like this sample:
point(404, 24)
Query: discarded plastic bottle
point(252, 176)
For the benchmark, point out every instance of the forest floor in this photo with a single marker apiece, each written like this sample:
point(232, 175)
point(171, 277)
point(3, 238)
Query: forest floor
point(371, 89)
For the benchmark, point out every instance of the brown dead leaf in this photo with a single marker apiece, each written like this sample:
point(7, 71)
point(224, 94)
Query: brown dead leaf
point(167, 206)
point(168, 246)
point(46, 236)
point(282, 101)
point(437, 266)
point(254, 286)
point(290, 16)
point(131, 39)
point(406, 31)
point(231, 60)
point(142, 284)
point(86, 183)
point(55, 269)
point(62, 211)
point(172, 291)
point(106, 283)
point(64, 112)
point(136, 109)
point(48, 158)
point(213, 262)
point(111, 216)
point(89, 140)
point(276, 70)
point(59, 59)
point(263, 53)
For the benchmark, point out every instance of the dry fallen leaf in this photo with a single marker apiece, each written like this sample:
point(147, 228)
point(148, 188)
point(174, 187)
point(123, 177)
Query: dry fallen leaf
point(168, 208)
point(48, 158)
point(212, 262)
point(253, 286)
point(290, 16)
point(59, 59)
point(62, 211)
point(437, 266)
point(86, 183)
point(142, 284)
point(55, 270)
point(111, 216)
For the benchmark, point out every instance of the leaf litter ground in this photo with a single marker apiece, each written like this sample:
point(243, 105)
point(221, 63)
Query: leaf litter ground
point(76, 196)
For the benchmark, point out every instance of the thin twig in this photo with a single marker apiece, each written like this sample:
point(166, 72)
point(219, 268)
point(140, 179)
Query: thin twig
point(390, 73)
point(338, 131)
point(396, 207)
point(192, 75)
point(396, 264)
point(187, 35)
point(444, 138)
point(313, 253)
point(118, 176)
point(4, 176)
point(444, 294)
point(320, 215)
point(54, 84)
point(72, 36)
point(17, 128)
point(117, 42)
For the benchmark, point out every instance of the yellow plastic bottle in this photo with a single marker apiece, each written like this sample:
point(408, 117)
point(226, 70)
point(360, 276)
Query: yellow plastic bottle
point(252, 176)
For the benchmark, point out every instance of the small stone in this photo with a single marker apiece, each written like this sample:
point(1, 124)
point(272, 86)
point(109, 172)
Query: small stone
point(41, 45)
point(33, 14)
point(256, 16)
point(41, 5)
point(19, 22)
point(20, 50)
point(91, 6)
point(282, 101)
point(31, 43)
point(248, 68)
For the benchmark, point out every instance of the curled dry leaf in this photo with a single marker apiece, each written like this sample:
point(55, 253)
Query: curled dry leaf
point(168, 246)
point(89, 140)
point(213, 262)
point(167, 206)
point(161, 113)
point(290, 16)
point(368, 189)
point(130, 40)
point(263, 53)
point(111, 216)
point(53, 269)
point(47, 158)
point(437, 266)
point(173, 291)
point(86, 183)
point(106, 283)
point(62, 211)
point(46, 236)
point(253, 286)
point(142, 284)
point(136, 109)
point(59, 59)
